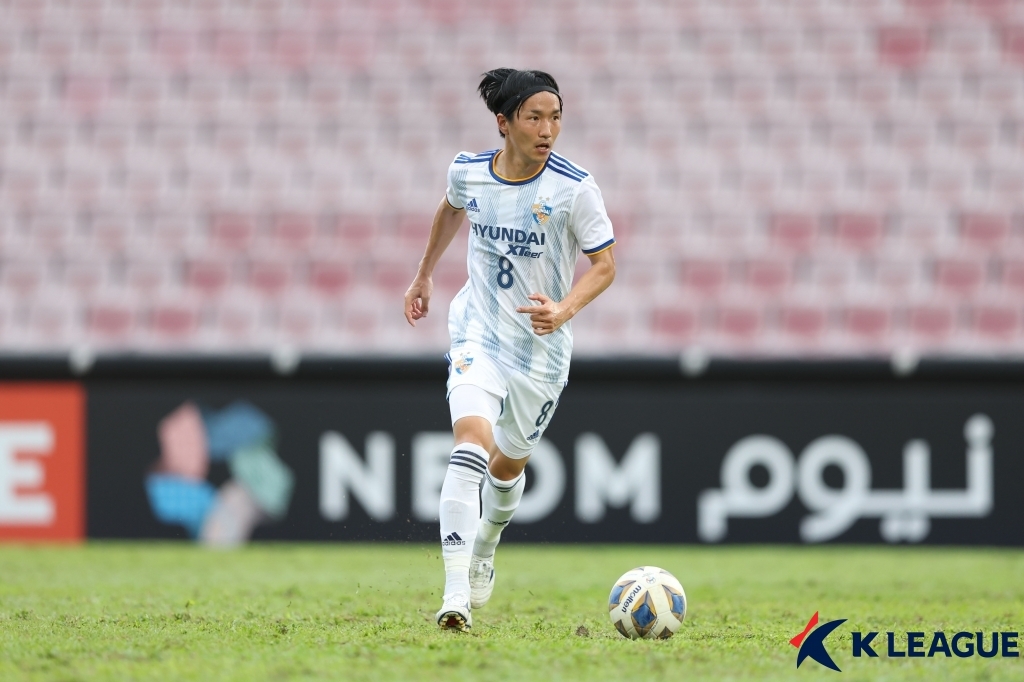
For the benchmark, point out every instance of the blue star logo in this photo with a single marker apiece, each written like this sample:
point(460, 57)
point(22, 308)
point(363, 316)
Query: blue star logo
point(812, 644)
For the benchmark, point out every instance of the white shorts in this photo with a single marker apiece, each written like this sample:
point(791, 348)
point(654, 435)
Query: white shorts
point(518, 406)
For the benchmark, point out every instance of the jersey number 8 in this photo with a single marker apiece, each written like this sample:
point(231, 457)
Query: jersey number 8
point(505, 280)
point(545, 408)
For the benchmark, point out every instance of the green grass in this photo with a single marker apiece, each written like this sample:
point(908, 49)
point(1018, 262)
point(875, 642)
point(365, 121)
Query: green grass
point(279, 612)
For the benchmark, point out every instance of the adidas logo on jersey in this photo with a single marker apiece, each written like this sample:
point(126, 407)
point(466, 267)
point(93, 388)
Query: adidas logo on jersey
point(453, 540)
point(471, 206)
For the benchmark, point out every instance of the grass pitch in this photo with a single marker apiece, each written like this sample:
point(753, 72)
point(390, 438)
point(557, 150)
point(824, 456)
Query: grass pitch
point(365, 612)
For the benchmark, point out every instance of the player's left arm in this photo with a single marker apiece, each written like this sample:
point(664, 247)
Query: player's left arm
point(549, 315)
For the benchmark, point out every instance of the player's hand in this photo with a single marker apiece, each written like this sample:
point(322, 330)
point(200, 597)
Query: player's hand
point(417, 299)
point(546, 317)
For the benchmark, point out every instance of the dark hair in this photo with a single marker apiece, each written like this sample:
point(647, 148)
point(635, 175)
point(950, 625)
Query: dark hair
point(505, 90)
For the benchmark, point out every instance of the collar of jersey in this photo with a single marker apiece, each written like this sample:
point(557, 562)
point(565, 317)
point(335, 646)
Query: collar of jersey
point(507, 181)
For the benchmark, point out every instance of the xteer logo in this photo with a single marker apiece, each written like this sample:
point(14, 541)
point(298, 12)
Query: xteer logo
point(812, 644)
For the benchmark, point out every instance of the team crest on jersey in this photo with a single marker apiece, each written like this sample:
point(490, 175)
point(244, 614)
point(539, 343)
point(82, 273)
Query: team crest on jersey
point(542, 210)
point(463, 364)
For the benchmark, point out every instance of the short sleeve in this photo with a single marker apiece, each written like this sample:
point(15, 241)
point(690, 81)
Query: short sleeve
point(590, 221)
point(456, 183)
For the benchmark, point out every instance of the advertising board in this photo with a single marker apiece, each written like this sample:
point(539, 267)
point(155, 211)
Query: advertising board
point(621, 462)
point(42, 461)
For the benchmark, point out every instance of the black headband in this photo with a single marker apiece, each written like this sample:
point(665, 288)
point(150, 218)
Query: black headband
point(515, 101)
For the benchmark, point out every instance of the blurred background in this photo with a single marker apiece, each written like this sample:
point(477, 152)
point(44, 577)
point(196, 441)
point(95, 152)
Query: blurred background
point(210, 211)
point(796, 178)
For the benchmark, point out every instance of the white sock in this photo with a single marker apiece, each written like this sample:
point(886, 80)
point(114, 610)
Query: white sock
point(460, 513)
point(500, 500)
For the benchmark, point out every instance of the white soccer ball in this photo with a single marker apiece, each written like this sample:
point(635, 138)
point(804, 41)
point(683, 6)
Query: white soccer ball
point(647, 602)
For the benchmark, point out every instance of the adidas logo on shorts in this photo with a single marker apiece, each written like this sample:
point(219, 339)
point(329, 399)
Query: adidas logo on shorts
point(453, 540)
point(534, 436)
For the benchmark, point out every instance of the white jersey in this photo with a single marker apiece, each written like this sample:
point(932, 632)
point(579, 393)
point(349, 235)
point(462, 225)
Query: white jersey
point(525, 237)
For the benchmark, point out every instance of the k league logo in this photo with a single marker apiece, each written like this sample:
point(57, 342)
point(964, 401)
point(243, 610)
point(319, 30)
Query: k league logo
point(964, 644)
point(812, 644)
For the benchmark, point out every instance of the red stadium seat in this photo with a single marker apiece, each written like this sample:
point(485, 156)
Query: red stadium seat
point(174, 46)
point(392, 277)
point(996, 321)
point(988, 231)
point(232, 231)
point(931, 321)
point(959, 274)
point(111, 321)
point(294, 231)
point(674, 323)
point(413, 229)
point(797, 232)
point(929, 8)
point(767, 275)
point(173, 321)
point(22, 276)
point(232, 48)
point(803, 320)
point(703, 275)
point(329, 277)
point(450, 275)
point(208, 276)
point(269, 276)
point(85, 92)
point(867, 320)
point(1012, 38)
point(293, 49)
point(859, 232)
point(738, 321)
point(1011, 274)
point(991, 8)
point(903, 46)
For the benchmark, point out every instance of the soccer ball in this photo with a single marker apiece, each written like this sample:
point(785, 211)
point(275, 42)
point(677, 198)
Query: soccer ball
point(647, 602)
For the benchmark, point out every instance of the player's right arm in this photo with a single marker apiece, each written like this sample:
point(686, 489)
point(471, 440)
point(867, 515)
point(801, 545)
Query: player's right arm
point(447, 221)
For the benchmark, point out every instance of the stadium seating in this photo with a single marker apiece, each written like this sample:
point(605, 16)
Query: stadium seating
point(786, 177)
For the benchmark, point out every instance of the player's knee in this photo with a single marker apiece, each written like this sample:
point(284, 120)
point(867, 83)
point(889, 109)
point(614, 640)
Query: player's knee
point(505, 468)
point(475, 430)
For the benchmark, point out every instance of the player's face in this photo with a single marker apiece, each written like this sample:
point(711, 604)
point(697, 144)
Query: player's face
point(533, 132)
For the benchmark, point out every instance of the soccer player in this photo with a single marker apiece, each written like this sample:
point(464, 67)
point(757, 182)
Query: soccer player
point(530, 213)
